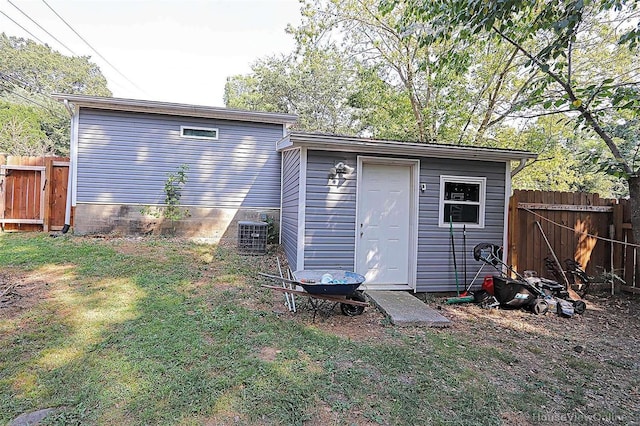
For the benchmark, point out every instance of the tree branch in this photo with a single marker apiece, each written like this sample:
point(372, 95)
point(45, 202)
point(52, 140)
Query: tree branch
point(586, 114)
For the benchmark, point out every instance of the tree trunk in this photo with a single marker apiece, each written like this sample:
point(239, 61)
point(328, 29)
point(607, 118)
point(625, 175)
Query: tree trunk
point(416, 106)
point(634, 202)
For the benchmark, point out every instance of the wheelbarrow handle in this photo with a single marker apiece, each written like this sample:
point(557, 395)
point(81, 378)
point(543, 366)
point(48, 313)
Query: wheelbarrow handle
point(277, 278)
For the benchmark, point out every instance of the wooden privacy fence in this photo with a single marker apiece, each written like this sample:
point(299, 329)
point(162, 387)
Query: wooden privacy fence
point(33, 193)
point(594, 231)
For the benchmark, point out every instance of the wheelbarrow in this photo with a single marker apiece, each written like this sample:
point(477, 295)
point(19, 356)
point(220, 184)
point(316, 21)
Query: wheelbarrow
point(330, 285)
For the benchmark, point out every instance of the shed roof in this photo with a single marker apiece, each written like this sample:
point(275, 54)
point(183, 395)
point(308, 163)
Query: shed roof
point(327, 142)
point(156, 107)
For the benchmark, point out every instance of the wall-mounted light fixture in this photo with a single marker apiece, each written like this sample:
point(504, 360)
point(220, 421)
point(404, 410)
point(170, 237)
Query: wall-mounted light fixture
point(339, 169)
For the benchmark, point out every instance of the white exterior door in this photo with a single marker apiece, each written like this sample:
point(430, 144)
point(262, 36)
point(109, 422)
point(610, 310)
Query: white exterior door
point(383, 235)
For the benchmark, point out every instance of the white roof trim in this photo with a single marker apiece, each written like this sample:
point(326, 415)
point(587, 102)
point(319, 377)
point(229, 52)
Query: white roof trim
point(156, 107)
point(372, 146)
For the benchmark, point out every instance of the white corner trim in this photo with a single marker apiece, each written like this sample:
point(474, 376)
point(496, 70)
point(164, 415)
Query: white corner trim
point(302, 202)
point(73, 154)
point(281, 196)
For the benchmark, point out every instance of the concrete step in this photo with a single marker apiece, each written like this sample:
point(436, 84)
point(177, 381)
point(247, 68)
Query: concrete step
point(403, 309)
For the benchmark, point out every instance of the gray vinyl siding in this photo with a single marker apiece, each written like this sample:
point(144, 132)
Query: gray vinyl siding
point(435, 261)
point(331, 216)
point(124, 158)
point(330, 213)
point(290, 205)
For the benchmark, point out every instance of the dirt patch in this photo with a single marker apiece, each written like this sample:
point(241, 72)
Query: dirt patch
point(598, 349)
point(268, 354)
point(20, 291)
point(365, 327)
point(611, 321)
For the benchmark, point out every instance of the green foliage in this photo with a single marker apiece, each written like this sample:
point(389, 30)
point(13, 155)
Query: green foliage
point(173, 186)
point(573, 43)
point(21, 131)
point(408, 85)
point(315, 87)
point(273, 234)
point(173, 193)
point(29, 72)
point(39, 69)
point(381, 111)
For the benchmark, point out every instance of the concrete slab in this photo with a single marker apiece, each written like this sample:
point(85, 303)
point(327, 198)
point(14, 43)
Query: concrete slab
point(403, 309)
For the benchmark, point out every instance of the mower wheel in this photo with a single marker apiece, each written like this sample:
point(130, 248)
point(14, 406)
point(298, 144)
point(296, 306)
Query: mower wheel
point(540, 307)
point(579, 307)
point(353, 310)
point(481, 297)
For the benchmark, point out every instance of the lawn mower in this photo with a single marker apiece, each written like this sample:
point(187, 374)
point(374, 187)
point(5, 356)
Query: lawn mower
point(528, 291)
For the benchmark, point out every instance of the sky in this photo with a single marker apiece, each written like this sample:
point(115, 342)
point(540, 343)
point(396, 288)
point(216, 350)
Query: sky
point(164, 50)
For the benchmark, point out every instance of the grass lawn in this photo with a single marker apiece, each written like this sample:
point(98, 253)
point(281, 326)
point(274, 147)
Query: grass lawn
point(160, 331)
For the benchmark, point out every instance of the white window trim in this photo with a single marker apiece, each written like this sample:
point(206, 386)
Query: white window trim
point(209, 129)
point(482, 181)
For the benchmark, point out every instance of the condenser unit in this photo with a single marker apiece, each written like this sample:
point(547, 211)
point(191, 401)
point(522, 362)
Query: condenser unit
point(252, 237)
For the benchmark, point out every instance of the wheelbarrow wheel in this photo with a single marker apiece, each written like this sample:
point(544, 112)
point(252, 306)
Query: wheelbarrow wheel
point(353, 310)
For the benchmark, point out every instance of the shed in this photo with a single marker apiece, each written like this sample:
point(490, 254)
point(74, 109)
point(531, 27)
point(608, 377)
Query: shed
point(123, 149)
point(387, 209)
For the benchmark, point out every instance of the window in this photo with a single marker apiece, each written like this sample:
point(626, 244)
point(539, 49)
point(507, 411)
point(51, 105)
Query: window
point(462, 201)
point(198, 132)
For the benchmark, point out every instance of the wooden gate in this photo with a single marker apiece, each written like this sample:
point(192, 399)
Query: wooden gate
point(33, 193)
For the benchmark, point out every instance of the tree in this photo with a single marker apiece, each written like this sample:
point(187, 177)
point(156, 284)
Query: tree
point(21, 133)
point(408, 90)
point(548, 34)
point(356, 71)
point(315, 86)
point(29, 73)
point(557, 167)
point(359, 31)
point(39, 69)
point(381, 111)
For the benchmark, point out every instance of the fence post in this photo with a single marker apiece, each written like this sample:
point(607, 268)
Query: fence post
point(617, 221)
point(48, 176)
point(512, 230)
